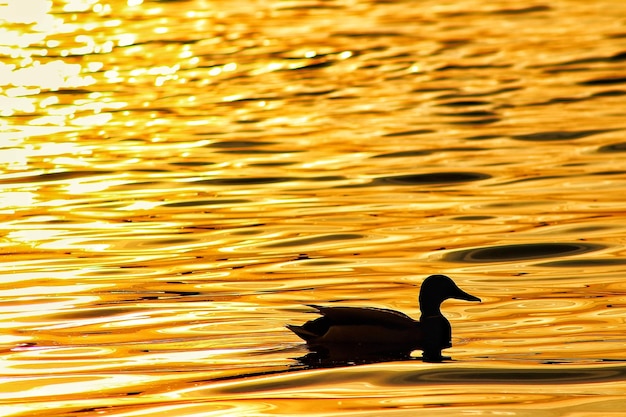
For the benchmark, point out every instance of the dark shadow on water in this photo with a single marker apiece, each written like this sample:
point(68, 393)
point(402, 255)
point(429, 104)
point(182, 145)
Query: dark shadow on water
point(426, 152)
point(432, 178)
point(426, 179)
point(409, 132)
point(614, 147)
point(54, 176)
point(340, 356)
point(603, 81)
point(584, 263)
point(550, 375)
point(246, 181)
point(521, 252)
point(560, 135)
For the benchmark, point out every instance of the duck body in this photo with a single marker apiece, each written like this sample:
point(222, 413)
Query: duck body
point(360, 326)
point(371, 330)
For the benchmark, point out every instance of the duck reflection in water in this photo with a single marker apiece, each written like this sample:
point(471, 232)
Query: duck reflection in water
point(351, 335)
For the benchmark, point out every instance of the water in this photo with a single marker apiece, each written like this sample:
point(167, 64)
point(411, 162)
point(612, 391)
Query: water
point(180, 177)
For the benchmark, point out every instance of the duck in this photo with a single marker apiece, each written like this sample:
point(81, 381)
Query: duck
point(384, 331)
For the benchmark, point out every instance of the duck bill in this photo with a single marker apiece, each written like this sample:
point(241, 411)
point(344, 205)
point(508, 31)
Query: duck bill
point(462, 295)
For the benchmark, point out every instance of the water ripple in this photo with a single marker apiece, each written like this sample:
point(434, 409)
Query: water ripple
point(180, 177)
point(560, 135)
point(434, 178)
point(518, 252)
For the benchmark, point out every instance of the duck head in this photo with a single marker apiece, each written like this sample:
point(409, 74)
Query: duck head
point(435, 290)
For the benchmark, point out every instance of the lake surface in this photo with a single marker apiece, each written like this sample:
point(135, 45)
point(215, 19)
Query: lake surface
point(180, 178)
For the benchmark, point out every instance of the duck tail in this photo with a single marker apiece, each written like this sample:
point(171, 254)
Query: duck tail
point(301, 332)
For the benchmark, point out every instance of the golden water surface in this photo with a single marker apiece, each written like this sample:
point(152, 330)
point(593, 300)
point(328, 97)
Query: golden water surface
point(179, 178)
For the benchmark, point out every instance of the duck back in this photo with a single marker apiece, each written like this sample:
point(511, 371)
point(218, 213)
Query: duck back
point(365, 315)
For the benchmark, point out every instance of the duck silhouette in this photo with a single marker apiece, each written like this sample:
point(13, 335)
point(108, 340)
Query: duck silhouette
point(353, 331)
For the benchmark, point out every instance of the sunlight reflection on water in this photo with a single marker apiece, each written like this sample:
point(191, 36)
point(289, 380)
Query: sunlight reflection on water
point(179, 178)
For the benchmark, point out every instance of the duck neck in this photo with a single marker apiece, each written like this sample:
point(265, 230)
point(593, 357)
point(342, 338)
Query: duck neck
point(430, 309)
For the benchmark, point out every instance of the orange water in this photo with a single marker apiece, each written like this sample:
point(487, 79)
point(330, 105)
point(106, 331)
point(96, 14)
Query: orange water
point(180, 177)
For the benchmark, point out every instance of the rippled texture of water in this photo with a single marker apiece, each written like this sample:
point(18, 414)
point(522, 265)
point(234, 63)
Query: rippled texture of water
point(180, 177)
